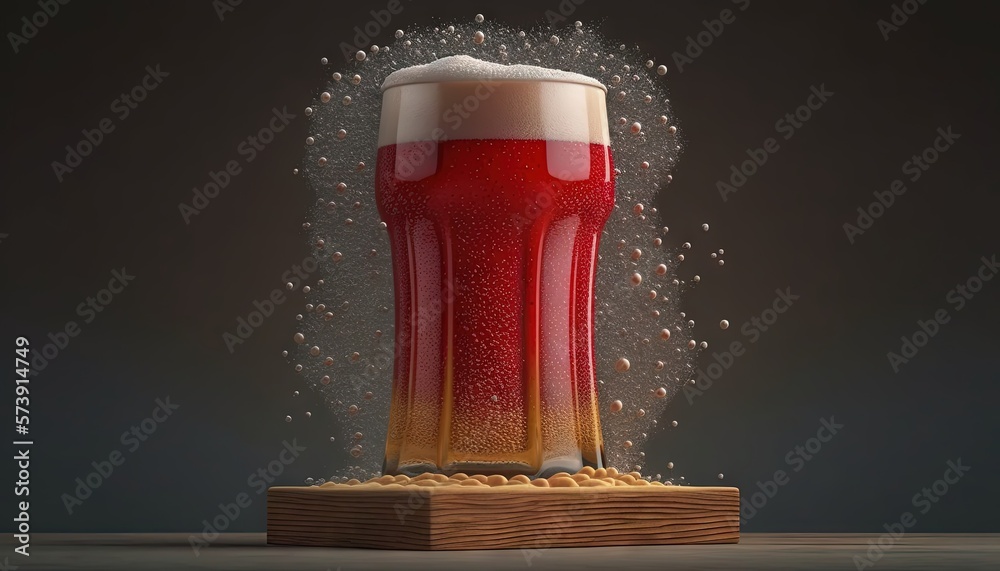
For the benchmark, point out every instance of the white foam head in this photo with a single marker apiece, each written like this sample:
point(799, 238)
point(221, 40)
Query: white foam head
point(460, 97)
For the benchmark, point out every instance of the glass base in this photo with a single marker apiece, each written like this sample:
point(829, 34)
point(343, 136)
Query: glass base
point(507, 469)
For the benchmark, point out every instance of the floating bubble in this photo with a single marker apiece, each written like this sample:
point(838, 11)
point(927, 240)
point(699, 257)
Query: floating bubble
point(670, 465)
point(616, 406)
point(673, 423)
point(360, 56)
point(636, 278)
point(665, 334)
point(399, 34)
point(622, 365)
point(661, 392)
point(288, 419)
point(479, 18)
point(704, 227)
point(662, 70)
point(325, 97)
point(724, 324)
point(636, 127)
point(479, 37)
point(299, 338)
point(337, 76)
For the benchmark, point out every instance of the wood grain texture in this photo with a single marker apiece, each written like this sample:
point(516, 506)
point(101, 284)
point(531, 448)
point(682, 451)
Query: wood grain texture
point(455, 517)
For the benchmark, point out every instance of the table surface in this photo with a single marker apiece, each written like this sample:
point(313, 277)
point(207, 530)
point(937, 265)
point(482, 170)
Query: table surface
point(112, 552)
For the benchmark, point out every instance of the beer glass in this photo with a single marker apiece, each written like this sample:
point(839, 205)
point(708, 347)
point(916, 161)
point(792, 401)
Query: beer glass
point(495, 183)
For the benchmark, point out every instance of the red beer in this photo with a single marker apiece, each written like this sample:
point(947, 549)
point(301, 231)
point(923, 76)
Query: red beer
point(495, 188)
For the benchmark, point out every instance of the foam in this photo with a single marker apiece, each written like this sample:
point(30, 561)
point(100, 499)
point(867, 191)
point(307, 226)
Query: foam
point(460, 97)
point(586, 478)
point(466, 68)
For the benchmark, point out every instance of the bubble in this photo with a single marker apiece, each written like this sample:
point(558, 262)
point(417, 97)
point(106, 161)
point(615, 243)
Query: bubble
point(375, 49)
point(665, 334)
point(284, 353)
point(355, 356)
point(659, 365)
point(670, 465)
point(308, 414)
point(627, 444)
point(673, 423)
point(641, 412)
point(661, 392)
point(360, 56)
point(554, 40)
point(295, 171)
point(680, 257)
point(652, 295)
point(333, 439)
point(724, 324)
point(686, 245)
point(306, 289)
point(369, 395)
point(650, 64)
point(328, 361)
point(325, 380)
point(661, 269)
point(722, 262)
point(479, 37)
point(671, 129)
point(298, 368)
point(337, 256)
point(288, 419)
point(336, 76)
point(341, 134)
point(636, 254)
point(299, 338)
point(295, 393)
point(616, 406)
point(356, 451)
point(721, 475)
point(704, 227)
point(289, 286)
point(347, 100)
point(322, 161)
point(636, 278)
point(341, 187)
point(352, 409)
point(323, 61)
point(308, 111)
point(696, 279)
point(356, 80)
point(314, 351)
point(310, 140)
point(657, 242)
point(622, 365)
point(662, 70)
point(479, 18)
point(400, 34)
point(638, 208)
point(636, 127)
point(714, 255)
point(325, 97)
point(703, 344)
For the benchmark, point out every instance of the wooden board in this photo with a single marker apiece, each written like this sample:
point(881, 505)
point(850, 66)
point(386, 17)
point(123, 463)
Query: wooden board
point(449, 517)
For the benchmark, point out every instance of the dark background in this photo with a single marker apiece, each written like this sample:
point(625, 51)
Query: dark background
point(826, 356)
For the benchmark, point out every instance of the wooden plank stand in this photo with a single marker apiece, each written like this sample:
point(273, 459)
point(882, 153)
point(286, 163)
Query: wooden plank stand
point(437, 512)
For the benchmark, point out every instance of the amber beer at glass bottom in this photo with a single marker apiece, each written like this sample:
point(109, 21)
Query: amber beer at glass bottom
point(495, 183)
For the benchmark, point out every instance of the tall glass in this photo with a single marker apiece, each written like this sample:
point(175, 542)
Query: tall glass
point(495, 191)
